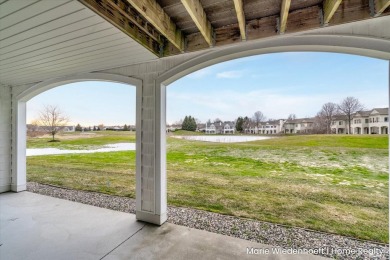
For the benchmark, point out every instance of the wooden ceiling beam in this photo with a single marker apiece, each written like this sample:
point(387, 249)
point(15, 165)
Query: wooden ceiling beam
point(329, 8)
point(156, 16)
point(284, 15)
point(198, 15)
point(241, 18)
point(129, 25)
point(380, 6)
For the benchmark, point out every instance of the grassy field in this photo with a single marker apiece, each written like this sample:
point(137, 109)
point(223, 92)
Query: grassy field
point(330, 183)
point(82, 140)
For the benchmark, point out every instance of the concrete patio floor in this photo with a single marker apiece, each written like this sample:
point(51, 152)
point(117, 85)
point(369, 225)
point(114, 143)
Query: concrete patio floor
point(34, 226)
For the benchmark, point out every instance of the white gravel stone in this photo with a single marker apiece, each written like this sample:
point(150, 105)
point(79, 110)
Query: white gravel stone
point(335, 246)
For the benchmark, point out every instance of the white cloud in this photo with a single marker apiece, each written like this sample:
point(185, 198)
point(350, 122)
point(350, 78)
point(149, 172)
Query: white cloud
point(232, 74)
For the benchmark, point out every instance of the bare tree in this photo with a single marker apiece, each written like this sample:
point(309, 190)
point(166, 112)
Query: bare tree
point(291, 117)
point(349, 106)
point(246, 124)
point(326, 114)
point(258, 117)
point(53, 119)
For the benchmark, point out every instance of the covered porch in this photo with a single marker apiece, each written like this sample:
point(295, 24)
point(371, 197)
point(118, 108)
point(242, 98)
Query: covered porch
point(46, 44)
point(35, 226)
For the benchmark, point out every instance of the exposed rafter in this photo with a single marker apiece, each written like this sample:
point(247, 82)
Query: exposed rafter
point(155, 15)
point(130, 25)
point(330, 7)
point(198, 15)
point(380, 6)
point(150, 22)
point(240, 17)
point(284, 15)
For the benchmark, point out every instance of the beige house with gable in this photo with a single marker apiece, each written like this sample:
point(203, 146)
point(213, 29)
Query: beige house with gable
point(265, 128)
point(375, 121)
point(299, 126)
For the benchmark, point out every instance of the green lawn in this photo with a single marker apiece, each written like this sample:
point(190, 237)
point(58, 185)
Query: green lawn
point(82, 140)
point(330, 183)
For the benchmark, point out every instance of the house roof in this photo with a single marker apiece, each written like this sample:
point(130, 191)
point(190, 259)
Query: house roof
point(340, 117)
point(300, 120)
point(363, 113)
point(380, 111)
point(375, 111)
point(271, 122)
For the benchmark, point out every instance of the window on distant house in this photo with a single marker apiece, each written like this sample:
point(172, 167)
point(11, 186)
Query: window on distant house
point(386, 119)
point(366, 121)
point(340, 122)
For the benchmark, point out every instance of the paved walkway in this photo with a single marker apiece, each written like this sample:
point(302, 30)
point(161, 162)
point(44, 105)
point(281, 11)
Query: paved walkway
point(34, 226)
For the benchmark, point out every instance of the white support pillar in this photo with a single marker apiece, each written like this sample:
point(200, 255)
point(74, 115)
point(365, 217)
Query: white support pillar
point(151, 188)
point(19, 132)
point(5, 138)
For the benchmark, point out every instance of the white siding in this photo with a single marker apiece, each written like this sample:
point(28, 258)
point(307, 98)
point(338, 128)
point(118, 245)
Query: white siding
point(48, 39)
point(5, 138)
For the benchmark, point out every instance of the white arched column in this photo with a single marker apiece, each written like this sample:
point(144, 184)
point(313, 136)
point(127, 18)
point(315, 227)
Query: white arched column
point(5, 138)
point(150, 175)
point(151, 184)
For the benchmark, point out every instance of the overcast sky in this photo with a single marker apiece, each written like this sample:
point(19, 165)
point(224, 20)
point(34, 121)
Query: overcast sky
point(276, 84)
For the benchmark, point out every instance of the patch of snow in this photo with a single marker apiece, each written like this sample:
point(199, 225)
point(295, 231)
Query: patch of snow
point(106, 148)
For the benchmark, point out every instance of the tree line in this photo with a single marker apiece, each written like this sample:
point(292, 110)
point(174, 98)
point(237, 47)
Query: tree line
point(322, 121)
point(54, 120)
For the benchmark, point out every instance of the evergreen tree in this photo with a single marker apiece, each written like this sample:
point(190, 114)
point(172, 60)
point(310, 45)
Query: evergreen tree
point(78, 128)
point(189, 123)
point(184, 125)
point(239, 124)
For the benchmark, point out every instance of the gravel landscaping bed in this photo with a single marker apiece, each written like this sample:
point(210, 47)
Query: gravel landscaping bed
point(329, 245)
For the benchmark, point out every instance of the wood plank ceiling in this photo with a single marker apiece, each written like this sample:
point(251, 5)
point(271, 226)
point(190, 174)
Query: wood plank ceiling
point(201, 24)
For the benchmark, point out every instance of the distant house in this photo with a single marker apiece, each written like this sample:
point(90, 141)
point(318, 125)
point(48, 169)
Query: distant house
point(201, 127)
point(339, 125)
point(69, 128)
point(265, 128)
point(173, 127)
point(114, 128)
point(227, 127)
point(375, 121)
point(298, 126)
